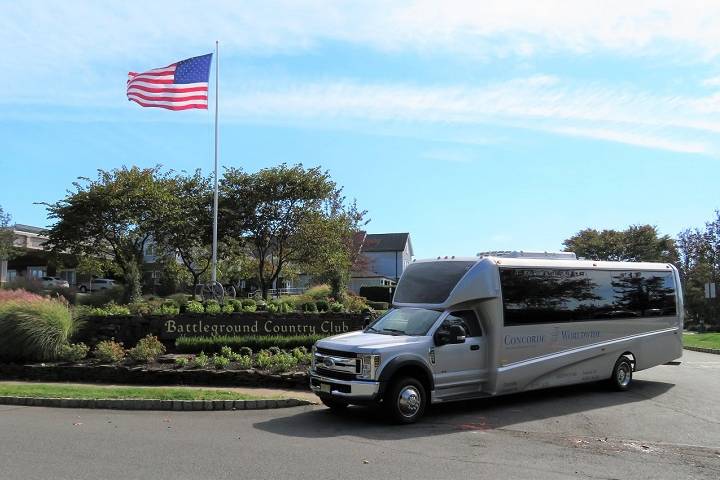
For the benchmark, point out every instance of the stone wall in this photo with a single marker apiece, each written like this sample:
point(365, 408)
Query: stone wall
point(130, 329)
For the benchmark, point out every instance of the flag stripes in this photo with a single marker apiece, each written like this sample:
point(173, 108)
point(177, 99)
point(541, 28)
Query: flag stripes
point(179, 86)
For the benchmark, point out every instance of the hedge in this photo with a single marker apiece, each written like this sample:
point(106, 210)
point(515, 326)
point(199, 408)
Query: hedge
point(377, 294)
point(255, 342)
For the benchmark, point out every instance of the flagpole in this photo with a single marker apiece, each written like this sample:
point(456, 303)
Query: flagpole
point(213, 274)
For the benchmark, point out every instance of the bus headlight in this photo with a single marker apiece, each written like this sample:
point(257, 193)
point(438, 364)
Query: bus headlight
point(369, 365)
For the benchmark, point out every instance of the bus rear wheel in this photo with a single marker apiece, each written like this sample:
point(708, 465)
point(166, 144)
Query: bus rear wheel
point(622, 374)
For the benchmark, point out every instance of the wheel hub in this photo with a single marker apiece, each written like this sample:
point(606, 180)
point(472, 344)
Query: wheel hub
point(409, 401)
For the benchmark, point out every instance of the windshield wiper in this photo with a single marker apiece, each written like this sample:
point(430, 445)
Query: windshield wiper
point(394, 331)
point(372, 329)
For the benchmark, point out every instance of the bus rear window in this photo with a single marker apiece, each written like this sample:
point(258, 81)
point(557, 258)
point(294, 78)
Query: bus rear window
point(430, 282)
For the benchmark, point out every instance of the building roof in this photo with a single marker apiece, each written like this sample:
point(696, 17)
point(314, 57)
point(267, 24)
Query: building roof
point(19, 227)
point(386, 242)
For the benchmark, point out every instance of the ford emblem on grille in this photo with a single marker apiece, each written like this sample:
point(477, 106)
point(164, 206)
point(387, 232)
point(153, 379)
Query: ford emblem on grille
point(329, 362)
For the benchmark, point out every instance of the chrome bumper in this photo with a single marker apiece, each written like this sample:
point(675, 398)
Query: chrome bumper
point(347, 389)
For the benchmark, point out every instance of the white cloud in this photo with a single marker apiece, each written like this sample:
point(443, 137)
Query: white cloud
point(712, 81)
point(48, 34)
point(76, 53)
point(683, 124)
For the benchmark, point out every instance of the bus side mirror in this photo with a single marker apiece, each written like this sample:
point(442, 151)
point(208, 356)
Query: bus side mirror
point(457, 334)
point(453, 334)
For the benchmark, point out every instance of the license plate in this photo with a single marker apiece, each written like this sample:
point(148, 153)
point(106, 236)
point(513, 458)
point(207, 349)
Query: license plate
point(325, 387)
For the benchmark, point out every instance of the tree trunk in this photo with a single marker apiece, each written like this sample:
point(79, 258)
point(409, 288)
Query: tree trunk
point(196, 282)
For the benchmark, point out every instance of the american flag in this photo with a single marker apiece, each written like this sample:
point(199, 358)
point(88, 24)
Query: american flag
point(179, 86)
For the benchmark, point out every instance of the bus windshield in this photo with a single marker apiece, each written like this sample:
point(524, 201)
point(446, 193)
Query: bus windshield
point(404, 321)
point(430, 282)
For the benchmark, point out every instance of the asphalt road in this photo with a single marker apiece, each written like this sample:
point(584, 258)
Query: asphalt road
point(667, 426)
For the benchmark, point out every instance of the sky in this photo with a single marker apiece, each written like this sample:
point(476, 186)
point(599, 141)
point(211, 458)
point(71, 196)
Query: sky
point(472, 125)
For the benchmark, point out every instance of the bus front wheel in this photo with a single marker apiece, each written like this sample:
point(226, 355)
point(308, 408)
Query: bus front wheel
point(405, 400)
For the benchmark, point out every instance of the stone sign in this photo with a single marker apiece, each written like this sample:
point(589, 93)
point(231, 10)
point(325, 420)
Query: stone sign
point(170, 328)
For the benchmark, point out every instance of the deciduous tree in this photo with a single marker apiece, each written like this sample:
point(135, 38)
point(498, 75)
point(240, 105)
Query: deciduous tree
point(112, 217)
point(185, 228)
point(7, 237)
point(274, 211)
point(638, 243)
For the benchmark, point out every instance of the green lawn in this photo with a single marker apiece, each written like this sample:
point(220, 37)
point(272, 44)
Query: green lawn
point(45, 390)
point(704, 340)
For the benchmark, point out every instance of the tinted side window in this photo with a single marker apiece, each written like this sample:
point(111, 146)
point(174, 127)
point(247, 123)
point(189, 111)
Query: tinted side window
point(466, 319)
point(644, 294)
point(564, 295)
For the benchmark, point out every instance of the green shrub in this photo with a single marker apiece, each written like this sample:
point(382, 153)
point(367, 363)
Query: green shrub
point(245, 351)
point(140, 308)
point(226, 351)
point(181, 362)
point(337, 307)
point(308, 307)
point(281, 362)
point(322, 305)
point(261, 305)
point(244, 362)
point(147, 349)
point(34, 328)
point(73, 352)
point(200, 361)
point(237, 304)
point(249, 308)
point(109, 351)
point(109, 310)
point(212, 307)
point(378, 305)
point(302, 355)
point(274, 350)
point(272, 307)
point(194, 306)
point(318, 292)
point(220, 362)
point(254, 342)
point(290, 300)
point(180, 299)
point(354, 304)
point(167, 308)
point(228, 308)
point(247, 302)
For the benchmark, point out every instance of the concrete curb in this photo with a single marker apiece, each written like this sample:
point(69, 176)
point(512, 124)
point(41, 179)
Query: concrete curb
point(141, 404)
point(714, 351)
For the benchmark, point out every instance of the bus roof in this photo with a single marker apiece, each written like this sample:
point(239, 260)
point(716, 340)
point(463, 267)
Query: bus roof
point(531, 262)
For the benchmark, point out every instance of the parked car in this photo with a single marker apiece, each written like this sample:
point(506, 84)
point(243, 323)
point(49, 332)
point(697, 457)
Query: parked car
point(96, 285)
point(50, 282)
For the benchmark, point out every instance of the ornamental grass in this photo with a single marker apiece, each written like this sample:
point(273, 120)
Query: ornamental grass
point(33, 327)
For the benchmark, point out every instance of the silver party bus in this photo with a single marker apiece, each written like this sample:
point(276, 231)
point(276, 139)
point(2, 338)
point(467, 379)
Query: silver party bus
point(501, 323)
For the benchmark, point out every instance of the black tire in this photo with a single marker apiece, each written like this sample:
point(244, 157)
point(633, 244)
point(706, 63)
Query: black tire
point(405, 400)
point(83, 289)
point(333, 404)
point(621, 375)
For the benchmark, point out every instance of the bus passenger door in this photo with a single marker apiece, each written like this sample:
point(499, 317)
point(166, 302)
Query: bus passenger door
point(459, 368)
